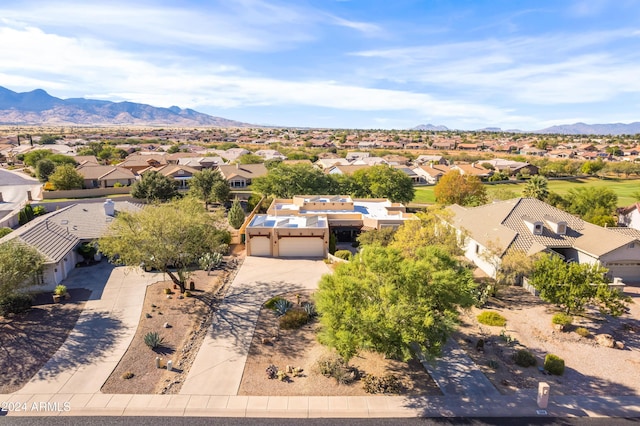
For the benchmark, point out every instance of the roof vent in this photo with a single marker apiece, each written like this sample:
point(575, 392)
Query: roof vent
point(535, 226)
point(109, 208)
point(556, 225)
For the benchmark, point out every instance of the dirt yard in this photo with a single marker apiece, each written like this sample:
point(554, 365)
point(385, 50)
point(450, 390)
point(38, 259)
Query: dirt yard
point(188, 320)
point(590, 369)
point(300, 348)
point(29, 340)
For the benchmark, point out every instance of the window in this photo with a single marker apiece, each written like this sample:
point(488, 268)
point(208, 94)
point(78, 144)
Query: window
point(562, 228)
point(477, 249)
point(537, 229)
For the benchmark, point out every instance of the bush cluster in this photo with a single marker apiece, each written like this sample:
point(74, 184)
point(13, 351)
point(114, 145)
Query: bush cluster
point(554, 364)
point(334, 366)
point(15, 304)
point(271, 303)
point(524, 358)
point(492, 318)
point(293, 319)
point(385, 384)
point(583, 332)
point(562, 319)
point(343, 254)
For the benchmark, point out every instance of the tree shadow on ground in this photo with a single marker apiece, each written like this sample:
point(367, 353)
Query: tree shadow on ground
point(94, 335)
point(92, 277)
point(237, 314)
point(29, 340)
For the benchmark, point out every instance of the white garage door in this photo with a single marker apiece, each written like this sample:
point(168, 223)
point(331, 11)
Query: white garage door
point(628, 271)
point(260, 246)
point(301, 247)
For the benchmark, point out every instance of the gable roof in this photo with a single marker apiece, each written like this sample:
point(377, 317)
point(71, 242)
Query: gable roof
point(58, 232)
point(247, 171)
point(504, 224)
point(96, 171)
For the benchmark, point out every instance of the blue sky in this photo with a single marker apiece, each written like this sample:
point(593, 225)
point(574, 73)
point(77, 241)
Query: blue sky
point(337, 63)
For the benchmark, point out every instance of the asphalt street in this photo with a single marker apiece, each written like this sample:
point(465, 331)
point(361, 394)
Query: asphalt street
point(14, 187)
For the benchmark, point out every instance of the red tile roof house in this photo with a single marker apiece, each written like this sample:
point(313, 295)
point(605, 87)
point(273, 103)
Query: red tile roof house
point(532, 226)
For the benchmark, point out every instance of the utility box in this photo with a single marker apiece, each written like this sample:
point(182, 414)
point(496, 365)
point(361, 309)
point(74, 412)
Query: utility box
point(543, 394)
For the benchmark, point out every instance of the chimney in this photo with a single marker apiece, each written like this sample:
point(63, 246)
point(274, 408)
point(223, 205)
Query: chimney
point(237, 166)
point(109, 208)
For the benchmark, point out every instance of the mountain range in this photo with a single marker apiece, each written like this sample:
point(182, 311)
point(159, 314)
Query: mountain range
point(562, 129)
point(40, 108)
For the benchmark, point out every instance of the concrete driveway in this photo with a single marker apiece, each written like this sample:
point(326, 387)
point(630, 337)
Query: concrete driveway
point(102, 334)
point(218, 367)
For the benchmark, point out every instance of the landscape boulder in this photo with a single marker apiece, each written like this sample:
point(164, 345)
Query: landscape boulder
point(605, 340)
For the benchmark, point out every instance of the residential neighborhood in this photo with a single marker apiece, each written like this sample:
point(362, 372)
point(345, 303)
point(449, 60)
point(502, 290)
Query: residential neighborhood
point(299, 248)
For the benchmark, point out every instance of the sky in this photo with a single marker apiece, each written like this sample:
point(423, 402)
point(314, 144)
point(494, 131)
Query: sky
point(373, 64)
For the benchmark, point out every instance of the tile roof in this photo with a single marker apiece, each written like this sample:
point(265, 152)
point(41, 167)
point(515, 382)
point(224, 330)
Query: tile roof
point(503, 223)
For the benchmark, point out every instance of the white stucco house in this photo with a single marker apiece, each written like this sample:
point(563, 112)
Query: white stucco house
point(532, 226)
point(630, 216)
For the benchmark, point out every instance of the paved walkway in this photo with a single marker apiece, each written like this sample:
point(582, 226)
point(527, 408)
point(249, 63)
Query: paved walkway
point(218, 367)
point(101, 335)
point(456, 374)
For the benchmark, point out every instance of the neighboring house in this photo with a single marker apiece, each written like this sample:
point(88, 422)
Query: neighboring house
point(346, 170)
point(86, 159)
point(232, 154)
point(326, 163)
point(56, 235)
point(270, 154)
point(97, 176)
point(432, 173)
point(444, 145)
point(396, 160)
point(240, 175)
point(369, 161)
point(200, 163)
point(138, 162)
point(177, 172)
point(629, 216)
point(512, 167)
point(353, 156)
point(415, 178)
point(430, 159)
point(300, 227)
point(473, 169)
point(533, 151)
point(532, 226)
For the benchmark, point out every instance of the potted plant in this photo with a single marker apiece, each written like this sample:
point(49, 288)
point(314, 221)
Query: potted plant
point(59, 292)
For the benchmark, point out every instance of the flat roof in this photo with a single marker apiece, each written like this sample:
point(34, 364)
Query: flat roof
point(269, 221)
point(370, 209)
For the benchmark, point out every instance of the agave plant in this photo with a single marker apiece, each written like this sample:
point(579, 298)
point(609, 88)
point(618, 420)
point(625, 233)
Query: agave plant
point(153, 339)
point(282, 306)
point(310, 309)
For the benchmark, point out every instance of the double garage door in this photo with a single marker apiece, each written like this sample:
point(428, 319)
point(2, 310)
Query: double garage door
point(628, 271)
point(288, 247)
point(301, 247)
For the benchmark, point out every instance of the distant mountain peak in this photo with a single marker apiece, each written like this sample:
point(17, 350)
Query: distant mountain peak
point(431, 127)
point(37, 107)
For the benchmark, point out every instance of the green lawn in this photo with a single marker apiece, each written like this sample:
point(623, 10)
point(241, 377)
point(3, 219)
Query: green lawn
point(624, 188)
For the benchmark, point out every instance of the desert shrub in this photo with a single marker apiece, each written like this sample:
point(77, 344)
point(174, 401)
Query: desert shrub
point(385, 384)
point(282, 306)
point(492, 318)
point(583, 332)
point(562, 319)
point(153, 339)
point(493, 364)
point(167, 290)
point(15, 304)
point(293, 319)
point(128, 375)
point(343, 254)
point(524, 358)
point(271, 303)
point(554, 364)
point(334, 366)
point(60, 290)
point(272, 371)
point(5, 231)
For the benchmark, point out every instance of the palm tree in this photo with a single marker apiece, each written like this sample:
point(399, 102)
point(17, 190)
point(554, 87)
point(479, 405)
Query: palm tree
point(536, 187)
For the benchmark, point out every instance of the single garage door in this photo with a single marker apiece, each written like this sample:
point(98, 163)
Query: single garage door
point(628, 271)
point(260, 246)
point(301, 247)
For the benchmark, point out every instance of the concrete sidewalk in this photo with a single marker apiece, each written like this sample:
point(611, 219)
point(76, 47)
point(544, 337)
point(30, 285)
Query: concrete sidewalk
point(102, 334)
point(218, 367)
point(519, 405)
